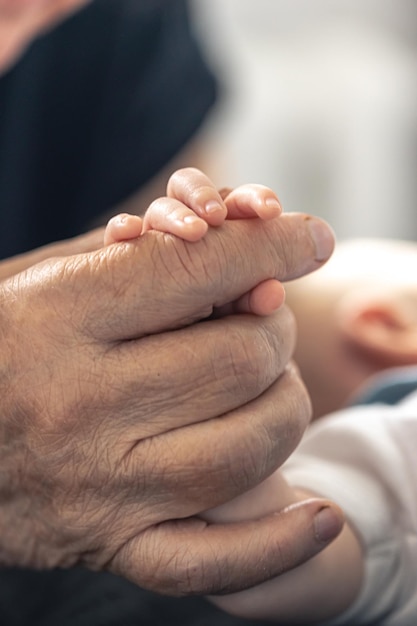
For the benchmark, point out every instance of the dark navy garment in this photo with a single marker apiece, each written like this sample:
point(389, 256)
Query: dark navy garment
point(81, 598)
point(93, 111)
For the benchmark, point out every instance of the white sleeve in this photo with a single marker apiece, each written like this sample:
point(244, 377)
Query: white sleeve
point(365, 459)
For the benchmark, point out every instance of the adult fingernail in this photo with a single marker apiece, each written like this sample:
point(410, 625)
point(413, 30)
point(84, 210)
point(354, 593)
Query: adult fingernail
point(323, 238)
point(327, 524)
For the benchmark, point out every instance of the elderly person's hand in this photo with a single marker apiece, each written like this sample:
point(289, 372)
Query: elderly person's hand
point(122, 420)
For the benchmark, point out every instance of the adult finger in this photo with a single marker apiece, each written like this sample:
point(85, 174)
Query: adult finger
point(193, 278)
point(218, 459)
point(233, 360)
point(192, 557)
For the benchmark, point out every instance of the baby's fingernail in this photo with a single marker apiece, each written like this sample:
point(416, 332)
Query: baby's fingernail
point(191, 219)
point(323, 238)
point(213, 206)
point(272, 203)
point(327, 524)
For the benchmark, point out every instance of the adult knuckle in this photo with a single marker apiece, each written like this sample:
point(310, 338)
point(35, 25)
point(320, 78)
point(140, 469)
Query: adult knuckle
point(279, 333)
point(166, 568)
point(194, 574)
point(256, 355)
point(289, 245)
point(271, 428)
point(242, 364)
point(297, 406)
point(253, 462)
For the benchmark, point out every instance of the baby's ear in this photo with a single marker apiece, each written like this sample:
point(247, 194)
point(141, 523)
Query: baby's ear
point(383, 332)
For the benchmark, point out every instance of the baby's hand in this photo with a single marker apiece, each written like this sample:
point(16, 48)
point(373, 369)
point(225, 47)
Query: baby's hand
point(192, 205)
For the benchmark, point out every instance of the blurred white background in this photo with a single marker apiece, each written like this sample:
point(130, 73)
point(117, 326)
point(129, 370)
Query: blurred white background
point(320, 104)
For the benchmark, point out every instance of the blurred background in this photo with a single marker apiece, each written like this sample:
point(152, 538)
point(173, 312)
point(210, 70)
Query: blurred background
point(320, 103)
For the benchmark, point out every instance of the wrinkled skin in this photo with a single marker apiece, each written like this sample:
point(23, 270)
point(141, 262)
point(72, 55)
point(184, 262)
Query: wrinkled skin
point(122, 420)
point(119, 424)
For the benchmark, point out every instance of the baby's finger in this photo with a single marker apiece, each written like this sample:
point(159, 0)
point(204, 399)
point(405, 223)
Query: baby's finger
point(225, 191)
point(194, 189)
point(169, 215)
point(252, 201)
point(264, 299)
point(122, 227)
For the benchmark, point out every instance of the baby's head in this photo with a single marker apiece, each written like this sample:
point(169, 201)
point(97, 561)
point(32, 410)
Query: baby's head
point(356, 316)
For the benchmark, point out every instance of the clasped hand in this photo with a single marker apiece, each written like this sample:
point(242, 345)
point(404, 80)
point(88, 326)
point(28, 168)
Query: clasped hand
point(122, 419)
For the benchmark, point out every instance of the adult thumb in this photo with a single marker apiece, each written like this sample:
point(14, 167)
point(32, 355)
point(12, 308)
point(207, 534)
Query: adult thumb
point(190, 557)
point(161, 282)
